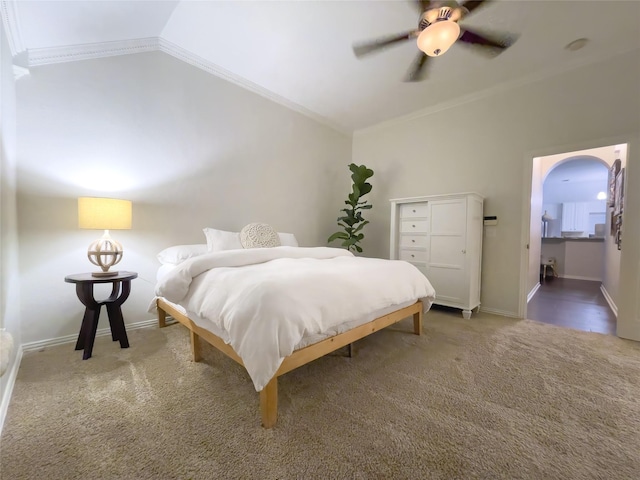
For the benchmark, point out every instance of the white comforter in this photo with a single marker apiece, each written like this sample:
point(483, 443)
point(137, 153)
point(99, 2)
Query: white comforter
point(267, 299)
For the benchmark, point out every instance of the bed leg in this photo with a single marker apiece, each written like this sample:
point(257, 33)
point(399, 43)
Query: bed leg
point(417, 322)
point(352, 350)
point(162, 318)
point(195, 346)
point(269, 403)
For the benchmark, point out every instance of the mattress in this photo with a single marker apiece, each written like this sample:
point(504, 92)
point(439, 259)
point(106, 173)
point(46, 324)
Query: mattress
point(306, 340)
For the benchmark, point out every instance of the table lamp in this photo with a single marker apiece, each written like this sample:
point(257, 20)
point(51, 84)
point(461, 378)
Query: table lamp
point(104, 214)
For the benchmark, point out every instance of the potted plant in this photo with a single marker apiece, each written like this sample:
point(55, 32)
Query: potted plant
point(352, 221)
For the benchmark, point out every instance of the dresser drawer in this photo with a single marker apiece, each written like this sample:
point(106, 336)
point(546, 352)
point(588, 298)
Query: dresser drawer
point(413, 255)
point(414, 210)
point(414, 226)
point(419, 241)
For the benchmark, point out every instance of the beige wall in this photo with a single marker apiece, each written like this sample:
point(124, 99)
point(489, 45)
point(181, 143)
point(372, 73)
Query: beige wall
point(9, 280)
point(487, 146)
point(189, 149)
point(628, 325)
point(578, 259)
point(583, 260)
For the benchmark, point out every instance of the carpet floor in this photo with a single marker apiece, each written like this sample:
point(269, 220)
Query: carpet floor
point(486, 398)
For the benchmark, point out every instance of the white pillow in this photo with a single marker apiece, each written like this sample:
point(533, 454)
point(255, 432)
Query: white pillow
point(179, 253)
point(259, 235)
point(221, 240)
point(288, 239)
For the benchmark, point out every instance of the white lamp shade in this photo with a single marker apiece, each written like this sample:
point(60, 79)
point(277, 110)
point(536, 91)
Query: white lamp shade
point(438, 37)
point(104, 213)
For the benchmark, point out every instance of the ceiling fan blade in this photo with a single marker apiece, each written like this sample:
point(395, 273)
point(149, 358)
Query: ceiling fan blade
point(471, 5)
point(417, 72)
point(496, 43)
point(361, 49)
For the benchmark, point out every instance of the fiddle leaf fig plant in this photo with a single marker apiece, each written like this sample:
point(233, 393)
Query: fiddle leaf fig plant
point(352, 221)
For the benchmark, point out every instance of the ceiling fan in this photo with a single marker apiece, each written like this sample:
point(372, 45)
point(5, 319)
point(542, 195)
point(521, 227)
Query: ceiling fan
point(437, 31)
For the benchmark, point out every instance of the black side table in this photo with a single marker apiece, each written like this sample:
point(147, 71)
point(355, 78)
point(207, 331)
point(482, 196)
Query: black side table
point(119, 293)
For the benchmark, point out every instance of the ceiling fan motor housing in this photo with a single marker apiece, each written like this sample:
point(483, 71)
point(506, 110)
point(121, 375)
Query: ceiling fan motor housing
point(450, 11)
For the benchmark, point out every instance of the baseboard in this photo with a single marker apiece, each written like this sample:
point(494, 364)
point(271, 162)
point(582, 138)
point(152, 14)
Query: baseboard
point(576, 277)
point(12, 374)
point(502, 313)
point(609, 300)
point(31, 346)
point(533, 292)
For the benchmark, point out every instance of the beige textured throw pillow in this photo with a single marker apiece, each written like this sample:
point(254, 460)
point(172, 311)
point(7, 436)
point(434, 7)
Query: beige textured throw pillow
point(259, 235)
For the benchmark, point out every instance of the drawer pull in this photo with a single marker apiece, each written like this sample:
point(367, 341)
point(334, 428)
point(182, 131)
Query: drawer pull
point(414, 211)
point(412, 255)
point(413, 226)
point(413, 240)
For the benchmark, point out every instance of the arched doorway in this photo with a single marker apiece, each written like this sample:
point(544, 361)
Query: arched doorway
point(574, 238)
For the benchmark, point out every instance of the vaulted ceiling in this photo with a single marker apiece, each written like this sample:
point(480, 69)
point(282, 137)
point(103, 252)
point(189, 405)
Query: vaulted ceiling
point(300, 53)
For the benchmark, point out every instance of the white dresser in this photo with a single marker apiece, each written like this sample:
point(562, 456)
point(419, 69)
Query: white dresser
point(442, 236)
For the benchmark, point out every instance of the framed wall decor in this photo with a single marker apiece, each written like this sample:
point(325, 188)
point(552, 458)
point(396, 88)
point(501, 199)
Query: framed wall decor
point(612, 224)
point(618, 205)
point(618, 237)
point(613, 173)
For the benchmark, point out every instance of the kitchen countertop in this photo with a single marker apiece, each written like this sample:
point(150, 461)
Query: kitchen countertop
point(574, 239)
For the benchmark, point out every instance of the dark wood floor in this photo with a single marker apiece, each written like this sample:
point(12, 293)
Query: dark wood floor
point(571, 303)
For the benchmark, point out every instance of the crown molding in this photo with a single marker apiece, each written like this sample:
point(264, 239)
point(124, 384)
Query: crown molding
point(210, 67)
point(19, 72)
point(71, 53)
point(12, 26)
point(491, 91)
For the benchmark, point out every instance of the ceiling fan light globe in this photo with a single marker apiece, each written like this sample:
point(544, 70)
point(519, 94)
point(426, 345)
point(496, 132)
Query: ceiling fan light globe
point(438, 37)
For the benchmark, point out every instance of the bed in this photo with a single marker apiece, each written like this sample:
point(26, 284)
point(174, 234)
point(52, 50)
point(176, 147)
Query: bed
point(275, 309)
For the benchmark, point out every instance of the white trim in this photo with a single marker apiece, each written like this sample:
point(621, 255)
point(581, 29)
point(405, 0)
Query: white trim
point(577, 277)
point(19, 72)
point(493, 90)
point(533, 292)
point(71, 53)
point(12, 374)
point(607, 297)
point(502, 313)
point(210, 67)
point(31, 346)
point(12, 27)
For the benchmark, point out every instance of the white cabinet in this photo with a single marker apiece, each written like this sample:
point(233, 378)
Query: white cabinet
point(442, 236)
point(575, 217)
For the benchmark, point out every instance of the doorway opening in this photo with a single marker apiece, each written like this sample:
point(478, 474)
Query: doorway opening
point(574, 256)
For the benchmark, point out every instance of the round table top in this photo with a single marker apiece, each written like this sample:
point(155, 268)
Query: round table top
point(88, 277)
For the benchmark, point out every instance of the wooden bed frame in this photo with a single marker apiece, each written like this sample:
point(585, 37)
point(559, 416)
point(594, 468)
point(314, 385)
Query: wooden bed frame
point(269, 394)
